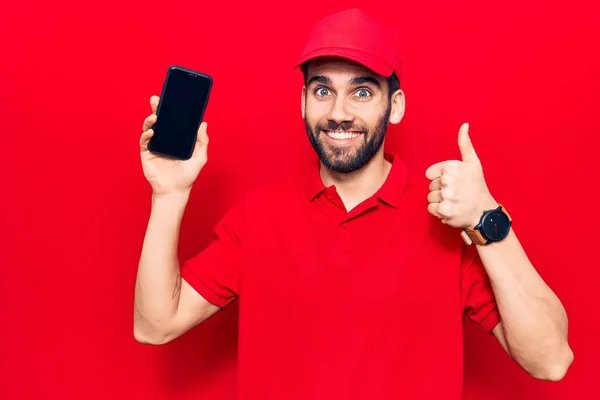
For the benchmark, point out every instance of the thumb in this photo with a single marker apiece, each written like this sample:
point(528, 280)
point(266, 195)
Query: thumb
point(154, 100)
point(202, 138)
point(467, 151)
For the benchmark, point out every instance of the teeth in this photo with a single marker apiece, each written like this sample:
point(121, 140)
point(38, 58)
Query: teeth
point(342, 135)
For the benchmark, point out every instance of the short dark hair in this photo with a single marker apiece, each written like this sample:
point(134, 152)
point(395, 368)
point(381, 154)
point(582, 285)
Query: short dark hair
point(392, 81)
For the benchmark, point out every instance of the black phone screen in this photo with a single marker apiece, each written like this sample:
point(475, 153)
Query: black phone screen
point(180, 111)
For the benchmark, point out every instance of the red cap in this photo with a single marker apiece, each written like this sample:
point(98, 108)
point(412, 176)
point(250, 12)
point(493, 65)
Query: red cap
point(357, 36)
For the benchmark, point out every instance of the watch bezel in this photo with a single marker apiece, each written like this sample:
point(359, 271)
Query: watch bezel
point(489, 214)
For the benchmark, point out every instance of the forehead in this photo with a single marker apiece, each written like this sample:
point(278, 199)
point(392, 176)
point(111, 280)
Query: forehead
point(337, 68)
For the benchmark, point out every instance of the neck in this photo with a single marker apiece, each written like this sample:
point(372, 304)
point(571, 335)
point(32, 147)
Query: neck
point(355, 187)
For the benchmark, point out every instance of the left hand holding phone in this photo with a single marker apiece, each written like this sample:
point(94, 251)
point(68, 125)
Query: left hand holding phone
point(166, 175)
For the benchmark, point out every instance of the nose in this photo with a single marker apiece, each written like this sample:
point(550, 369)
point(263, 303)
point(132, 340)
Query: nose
point(339, 112)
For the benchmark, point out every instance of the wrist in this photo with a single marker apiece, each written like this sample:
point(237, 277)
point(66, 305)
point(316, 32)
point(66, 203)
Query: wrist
point(167, 210)
point(486, 204)
point(172, 199)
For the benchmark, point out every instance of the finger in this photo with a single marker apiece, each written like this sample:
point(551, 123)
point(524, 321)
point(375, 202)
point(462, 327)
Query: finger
point(435, 196)
point(445, 167)
point(202, 134)
point(450, 167)
point(445, 209)
point(435, 184)
point(467, 151)
point(146, 136)
point(433, 209)
point(447, 193)
point(446, 180)
point(149, 122)
point(154, 103)
point(443, 181)
point(434, 171)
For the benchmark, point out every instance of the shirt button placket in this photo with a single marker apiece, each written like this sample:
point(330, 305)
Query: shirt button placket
point(343, 254)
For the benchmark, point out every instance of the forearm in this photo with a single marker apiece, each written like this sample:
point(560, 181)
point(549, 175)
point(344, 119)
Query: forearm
point(534, 321)
point(158, 283)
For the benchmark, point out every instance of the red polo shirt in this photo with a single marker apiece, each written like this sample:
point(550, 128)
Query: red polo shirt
point(367, 304)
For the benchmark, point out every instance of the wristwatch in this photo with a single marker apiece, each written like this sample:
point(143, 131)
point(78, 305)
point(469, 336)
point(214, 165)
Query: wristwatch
point(494, 225)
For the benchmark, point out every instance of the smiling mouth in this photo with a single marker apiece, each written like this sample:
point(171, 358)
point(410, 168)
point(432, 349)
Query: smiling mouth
point(342, 135)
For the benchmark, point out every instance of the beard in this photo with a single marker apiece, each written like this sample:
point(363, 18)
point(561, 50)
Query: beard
point(348, 159)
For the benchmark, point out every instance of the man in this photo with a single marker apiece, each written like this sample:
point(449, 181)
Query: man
point(354, 278)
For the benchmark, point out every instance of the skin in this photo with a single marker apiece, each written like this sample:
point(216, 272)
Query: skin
point(344, 96)
point(534, 326)
point(165, 305)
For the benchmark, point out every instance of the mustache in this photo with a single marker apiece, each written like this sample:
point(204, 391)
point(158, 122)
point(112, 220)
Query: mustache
point(344, 126)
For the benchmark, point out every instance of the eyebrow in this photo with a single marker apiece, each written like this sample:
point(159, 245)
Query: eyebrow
point(359, 80)
point(324, 80)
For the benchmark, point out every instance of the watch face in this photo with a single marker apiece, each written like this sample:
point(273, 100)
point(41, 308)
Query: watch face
point(495, 225)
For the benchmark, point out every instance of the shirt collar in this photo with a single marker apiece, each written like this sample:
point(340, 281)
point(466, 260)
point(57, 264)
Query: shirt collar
point(391, 192)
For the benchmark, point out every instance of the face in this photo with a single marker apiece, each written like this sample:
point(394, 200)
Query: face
point(347, 109)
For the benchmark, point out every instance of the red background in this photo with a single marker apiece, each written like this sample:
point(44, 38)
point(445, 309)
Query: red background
point(75, 82)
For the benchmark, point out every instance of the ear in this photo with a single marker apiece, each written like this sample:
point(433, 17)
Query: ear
point(303, 102)
point(398, 104)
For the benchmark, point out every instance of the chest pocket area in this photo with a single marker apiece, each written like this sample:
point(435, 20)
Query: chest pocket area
point(410, 267)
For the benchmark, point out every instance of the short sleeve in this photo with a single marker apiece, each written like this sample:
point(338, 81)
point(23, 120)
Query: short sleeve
point(477, 294)
point(214, 272)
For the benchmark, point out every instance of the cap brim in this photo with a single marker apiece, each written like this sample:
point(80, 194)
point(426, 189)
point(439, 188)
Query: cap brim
point(367, 60)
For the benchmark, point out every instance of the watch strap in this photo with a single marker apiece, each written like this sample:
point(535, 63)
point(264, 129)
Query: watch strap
point(505, 212)
point(471, 236)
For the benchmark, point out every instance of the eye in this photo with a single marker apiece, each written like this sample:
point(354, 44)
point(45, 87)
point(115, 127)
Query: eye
point(363, 93)
point(321, 91)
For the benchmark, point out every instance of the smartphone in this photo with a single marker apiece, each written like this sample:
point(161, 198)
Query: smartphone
point(180, 110)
